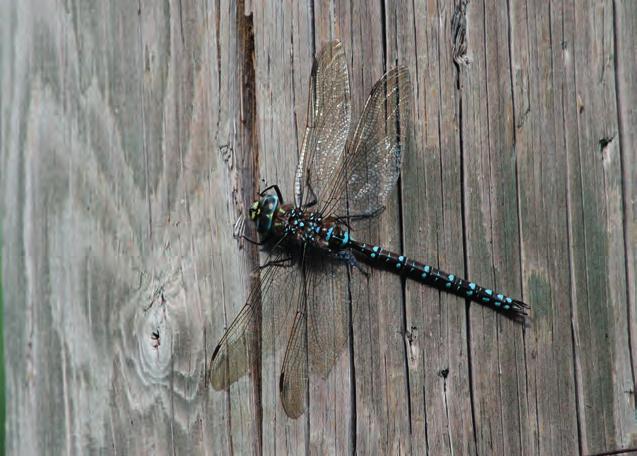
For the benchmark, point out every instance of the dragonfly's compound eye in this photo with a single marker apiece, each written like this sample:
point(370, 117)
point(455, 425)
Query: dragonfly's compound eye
point(254, 210)
point(266, 209)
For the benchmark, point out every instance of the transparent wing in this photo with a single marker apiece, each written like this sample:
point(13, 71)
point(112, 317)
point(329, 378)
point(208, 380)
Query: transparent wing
point(328, 123)
point(328, 311)
point(232, 356)
point(294, 371)
point(320, 329)
point(293, 380)
point(369, 169)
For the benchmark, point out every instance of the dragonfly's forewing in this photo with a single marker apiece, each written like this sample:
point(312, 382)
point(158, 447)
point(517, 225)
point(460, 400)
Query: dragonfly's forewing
point(371, 165)
point(328, 123)
point(233, 354)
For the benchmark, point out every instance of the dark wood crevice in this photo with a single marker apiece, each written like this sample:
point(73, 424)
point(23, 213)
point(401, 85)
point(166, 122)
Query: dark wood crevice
point(249, 153)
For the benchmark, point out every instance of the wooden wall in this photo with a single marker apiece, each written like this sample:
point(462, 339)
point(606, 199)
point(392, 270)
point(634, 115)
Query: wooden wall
point(134, 133)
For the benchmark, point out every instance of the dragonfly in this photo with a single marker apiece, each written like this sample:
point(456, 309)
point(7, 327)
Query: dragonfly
point(342, 178)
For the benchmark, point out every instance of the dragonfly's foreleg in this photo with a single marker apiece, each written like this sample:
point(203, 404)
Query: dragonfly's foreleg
point(276, 189)
point(238, 232)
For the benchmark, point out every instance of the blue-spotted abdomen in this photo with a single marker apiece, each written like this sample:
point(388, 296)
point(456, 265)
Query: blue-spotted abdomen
point(429, 275)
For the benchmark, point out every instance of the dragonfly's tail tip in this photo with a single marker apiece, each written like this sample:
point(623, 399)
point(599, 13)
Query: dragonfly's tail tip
point(519, 312)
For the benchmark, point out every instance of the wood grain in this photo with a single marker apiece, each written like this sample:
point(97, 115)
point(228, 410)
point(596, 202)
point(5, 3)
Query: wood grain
point(133, 135)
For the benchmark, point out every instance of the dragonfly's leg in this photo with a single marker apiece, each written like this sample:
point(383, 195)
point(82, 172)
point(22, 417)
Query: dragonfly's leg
point(238, 232)
point(349, 258)
point(355, 217)
point(276, 189)
point(282, 262)
point(252, 241)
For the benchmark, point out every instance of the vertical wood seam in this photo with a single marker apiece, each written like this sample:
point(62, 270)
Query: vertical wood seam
point(625, 198)
point(461, 9)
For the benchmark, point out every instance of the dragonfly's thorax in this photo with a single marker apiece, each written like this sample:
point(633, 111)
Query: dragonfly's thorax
point(302, 226)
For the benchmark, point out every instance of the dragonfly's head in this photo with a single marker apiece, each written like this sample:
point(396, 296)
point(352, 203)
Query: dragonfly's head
point(262, 212)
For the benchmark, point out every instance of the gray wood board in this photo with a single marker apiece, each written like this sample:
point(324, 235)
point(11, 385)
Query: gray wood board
point(133, 135)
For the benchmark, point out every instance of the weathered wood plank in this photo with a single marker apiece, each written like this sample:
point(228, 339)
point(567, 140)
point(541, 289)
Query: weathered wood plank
point(276, 27)
point(499, 396)
point(121, 136)
point(332, 406)
point(133, 135)
point(380, 374)
point(603, 363)
point(541, 79)
point(436, 342)
point(625, 42)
